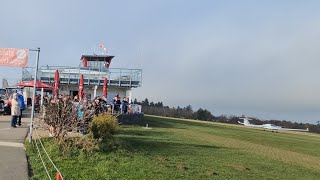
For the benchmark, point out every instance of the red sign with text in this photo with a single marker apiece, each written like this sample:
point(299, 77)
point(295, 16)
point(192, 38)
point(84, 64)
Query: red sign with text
point(14, 57)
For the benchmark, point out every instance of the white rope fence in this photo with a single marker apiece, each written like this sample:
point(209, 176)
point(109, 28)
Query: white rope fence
point(44, 165)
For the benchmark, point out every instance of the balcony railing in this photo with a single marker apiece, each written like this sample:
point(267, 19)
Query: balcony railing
point(92, 76)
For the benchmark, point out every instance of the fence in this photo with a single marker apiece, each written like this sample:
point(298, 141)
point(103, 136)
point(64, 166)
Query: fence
point(132, 109)
point(92, 76)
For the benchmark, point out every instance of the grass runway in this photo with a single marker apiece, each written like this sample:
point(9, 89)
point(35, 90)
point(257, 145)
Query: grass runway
point(189, 149)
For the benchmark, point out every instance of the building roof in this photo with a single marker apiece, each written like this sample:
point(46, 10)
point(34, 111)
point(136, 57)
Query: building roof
point(106, 58)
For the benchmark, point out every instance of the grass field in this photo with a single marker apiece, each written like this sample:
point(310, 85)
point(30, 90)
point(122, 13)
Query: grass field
point(188, 149)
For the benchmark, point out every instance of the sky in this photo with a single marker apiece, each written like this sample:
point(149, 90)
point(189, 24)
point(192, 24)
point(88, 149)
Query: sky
point(253, 58)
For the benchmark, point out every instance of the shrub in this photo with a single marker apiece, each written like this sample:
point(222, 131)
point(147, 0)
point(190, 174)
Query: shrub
point(104, 126)
point(74, 145)
point(60, 117)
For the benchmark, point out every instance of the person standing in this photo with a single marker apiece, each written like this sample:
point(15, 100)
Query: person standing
point(22, 106)
point(124, 105)
point(15, 110)
point(118, 104)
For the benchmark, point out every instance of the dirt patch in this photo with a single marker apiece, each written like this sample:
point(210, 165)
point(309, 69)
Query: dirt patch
point(211, 173)
point(181, 167)
point(238, 167)
point(161, 160)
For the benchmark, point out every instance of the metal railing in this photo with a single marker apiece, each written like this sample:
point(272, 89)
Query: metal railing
point(131, 109)
point(92, 76)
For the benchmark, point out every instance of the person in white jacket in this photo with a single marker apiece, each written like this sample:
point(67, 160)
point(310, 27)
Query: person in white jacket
point(15, 110)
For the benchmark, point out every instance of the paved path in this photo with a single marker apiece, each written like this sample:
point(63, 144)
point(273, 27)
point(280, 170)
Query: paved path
point(13, 161)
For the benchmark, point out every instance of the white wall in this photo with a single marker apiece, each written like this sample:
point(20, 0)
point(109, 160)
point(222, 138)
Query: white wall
point(112, 91)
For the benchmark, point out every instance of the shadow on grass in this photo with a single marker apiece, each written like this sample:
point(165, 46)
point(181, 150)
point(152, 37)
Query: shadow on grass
point(185, 124)
point(142, 132)
point(160, 122)
point(151, 146)
point(175, 123)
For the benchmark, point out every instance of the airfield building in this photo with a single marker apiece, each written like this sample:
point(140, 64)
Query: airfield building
point(94, 68)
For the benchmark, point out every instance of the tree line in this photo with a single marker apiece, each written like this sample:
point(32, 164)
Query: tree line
point(159, 109)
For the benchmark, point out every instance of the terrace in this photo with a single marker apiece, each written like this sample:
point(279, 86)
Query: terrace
point(120, 77)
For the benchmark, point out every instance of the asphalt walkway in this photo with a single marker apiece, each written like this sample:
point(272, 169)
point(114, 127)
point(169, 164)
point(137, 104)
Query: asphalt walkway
point(13, 161)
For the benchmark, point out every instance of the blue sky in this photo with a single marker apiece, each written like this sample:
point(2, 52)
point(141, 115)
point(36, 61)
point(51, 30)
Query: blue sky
point(257, 58)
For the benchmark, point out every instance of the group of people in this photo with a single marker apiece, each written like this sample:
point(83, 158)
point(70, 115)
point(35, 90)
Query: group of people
point(116, 106)
point(91, 107)
point(120, 106)
point(86, 108)
point(96, 106)
point(17, 107)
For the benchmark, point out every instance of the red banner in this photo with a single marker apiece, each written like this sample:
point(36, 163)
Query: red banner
point(14, 57)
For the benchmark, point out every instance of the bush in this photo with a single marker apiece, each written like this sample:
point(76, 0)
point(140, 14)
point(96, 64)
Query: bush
point(104, 126)
point(75, 145)
point(60, 117)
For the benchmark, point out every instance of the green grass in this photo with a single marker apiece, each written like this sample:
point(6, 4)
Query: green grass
point(187, 149)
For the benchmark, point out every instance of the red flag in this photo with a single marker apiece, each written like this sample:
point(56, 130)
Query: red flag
point(103, 47)
point(56, 83)
point(80, 94)
point(105, 88)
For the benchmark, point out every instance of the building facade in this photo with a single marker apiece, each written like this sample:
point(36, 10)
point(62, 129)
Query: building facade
point(94, 68)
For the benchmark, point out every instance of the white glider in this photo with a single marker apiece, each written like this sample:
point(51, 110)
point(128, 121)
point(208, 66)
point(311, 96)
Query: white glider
point(268, 126)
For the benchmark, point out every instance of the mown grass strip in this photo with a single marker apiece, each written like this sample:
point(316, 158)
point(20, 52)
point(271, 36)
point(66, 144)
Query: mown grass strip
point(271, 152)
point(175, 149)
point(295, 142)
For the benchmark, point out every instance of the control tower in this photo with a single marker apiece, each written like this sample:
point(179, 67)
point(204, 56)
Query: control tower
point(96, 61)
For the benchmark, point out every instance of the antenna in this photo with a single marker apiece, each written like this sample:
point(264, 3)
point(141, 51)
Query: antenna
point(141, 56)
point(93, 51)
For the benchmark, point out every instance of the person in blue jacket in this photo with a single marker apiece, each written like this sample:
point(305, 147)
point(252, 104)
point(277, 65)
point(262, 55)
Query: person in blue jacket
point(22, 106)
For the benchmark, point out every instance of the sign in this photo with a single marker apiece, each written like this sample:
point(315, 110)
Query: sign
point(14, 57)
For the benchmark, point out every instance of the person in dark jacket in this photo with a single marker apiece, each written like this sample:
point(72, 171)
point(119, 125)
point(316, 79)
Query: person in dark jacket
point(22, 106)
point(124, 105)
point(118, 104)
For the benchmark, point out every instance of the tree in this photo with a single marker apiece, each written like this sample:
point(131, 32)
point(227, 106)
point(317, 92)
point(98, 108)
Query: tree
point(189, 108)
point(151, 104)
point(159, 104)
point(204, 114)
point(145, 102)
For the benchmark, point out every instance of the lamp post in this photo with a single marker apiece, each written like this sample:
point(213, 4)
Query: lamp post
point(34, 93)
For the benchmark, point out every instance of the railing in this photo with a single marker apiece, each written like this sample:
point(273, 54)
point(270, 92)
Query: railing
point(92, 76)
point(132, 109)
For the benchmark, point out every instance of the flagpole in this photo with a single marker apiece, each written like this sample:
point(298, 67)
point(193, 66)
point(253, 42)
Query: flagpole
point(34, 93)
